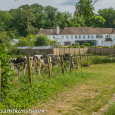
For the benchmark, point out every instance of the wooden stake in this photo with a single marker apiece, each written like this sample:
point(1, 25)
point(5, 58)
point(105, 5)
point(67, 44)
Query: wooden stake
point(87, 58)
point(29, 69)
point(77, 61)
point(70, 61)
point(96, 58)
point(81, 62)
point(49, 67)
point(62, 64)
point(91, 59)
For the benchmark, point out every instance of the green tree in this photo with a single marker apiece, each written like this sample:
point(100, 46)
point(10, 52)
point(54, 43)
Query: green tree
point(109, 16)
point(5, 20)
point(42, 40)
point(5, 39)
point(51, 13)
point(96, 21)
point(84, 8)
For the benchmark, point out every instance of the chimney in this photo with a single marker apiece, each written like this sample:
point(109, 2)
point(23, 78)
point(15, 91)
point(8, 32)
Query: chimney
point(57, 30)
point(41, 28)
point(82, 29)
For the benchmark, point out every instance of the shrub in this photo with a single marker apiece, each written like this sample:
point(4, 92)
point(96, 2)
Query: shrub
point(70, 46)
point(6, 72)
point(42, 40)
point(85, 64)
point(104, 46)
point(73, 44)
point(86, 44)
point(76, 45)
point(53, 43)
point(82, 46)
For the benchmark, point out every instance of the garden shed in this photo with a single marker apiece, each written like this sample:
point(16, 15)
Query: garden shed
point(37, 50)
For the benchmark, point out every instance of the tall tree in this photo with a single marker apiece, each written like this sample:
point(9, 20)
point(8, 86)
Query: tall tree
point(96, 21)
point(51, 13)
point(109, 16)
point(5, 20)
point(85, 8)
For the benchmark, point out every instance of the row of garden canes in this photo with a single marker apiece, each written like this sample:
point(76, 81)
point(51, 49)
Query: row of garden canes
point(78, 59)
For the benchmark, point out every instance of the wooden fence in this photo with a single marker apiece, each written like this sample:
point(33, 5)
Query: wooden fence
point(53, 51)
point(101, 51)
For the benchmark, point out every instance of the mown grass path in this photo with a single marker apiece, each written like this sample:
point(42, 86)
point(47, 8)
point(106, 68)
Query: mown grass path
point(86, 97)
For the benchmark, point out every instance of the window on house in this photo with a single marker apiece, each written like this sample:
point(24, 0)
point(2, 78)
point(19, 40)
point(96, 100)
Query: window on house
point(83, 36)
point(91, 36)
point(53, 36)
point(79, 36)
point(99, 36)
point(75, 37)
point(96, 42)
point(71, 37)
point(102, 42)
point(108, 36)
point(67, 37)
point(88, 36)
point(62, 37)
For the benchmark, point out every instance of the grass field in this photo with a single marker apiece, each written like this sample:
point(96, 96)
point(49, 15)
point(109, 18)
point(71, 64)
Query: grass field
point(83, 91)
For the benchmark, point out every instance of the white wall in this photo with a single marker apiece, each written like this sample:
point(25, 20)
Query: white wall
point(101, 41)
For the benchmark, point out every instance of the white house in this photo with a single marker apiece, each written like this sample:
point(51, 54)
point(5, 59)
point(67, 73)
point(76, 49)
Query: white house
point(14, 41)
point(69, 35)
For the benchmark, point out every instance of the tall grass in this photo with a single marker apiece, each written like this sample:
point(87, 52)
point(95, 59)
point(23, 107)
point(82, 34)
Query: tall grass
point(110, 110)
point(22, 96)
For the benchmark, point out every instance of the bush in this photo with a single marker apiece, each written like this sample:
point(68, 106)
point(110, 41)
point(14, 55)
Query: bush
point(105, 46)
point(94, 47)
point(42, 40)
point(70, 46)
point(86, 44)
point(82, 46)
point(73, 44)
point(53, 43)
point(76, 45)
point(6, 72)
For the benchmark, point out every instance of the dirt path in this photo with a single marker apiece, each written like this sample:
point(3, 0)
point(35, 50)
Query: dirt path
point(100, 112)
point(68, 101)
point(89, 97)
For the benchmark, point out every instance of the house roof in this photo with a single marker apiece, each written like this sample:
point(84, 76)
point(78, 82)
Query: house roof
point(108, 39)
point(77, 30)
point(48, 31)
point(106, 30)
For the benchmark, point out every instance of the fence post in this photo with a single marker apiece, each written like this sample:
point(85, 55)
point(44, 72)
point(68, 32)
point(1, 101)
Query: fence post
point(81, 61)
point(70, 61)
point(49, 67)
point(62, 64)
point(18, 67)
point(0, 81)
point(87, 58)
point(59, 51)
point(96, 58)
point(29, 69)
point(106, 58)
point(79, 50)
point(91, 59)
point(74, 50)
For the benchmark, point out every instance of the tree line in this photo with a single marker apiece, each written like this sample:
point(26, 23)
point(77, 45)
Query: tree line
point(28, 19)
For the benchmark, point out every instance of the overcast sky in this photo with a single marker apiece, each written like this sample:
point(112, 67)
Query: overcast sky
point(61, 5)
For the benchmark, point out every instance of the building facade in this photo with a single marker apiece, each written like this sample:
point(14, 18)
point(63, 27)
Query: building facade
point(69, 35)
